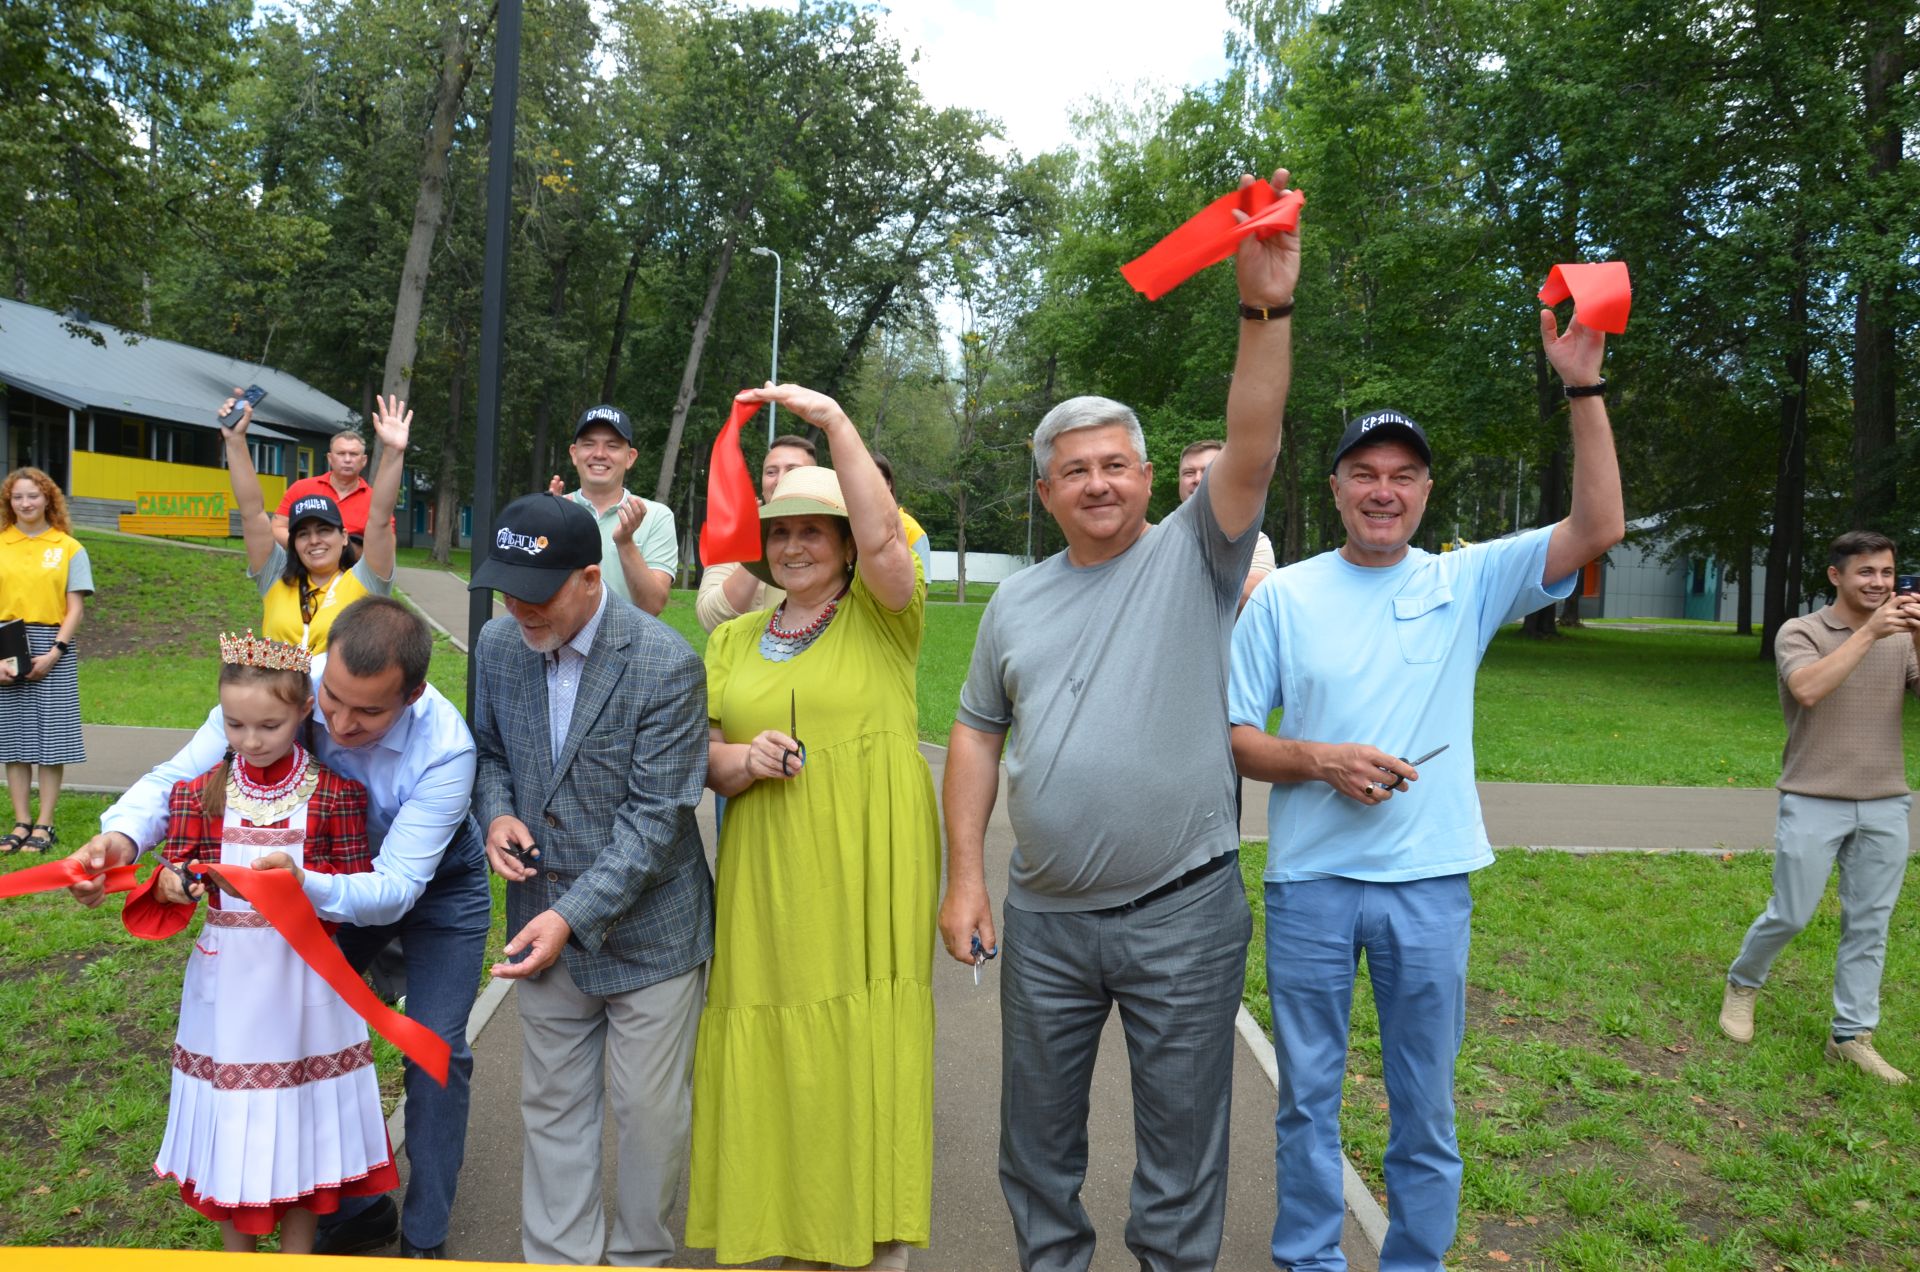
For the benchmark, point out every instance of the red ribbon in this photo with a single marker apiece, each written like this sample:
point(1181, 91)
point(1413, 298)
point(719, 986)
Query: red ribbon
point(1602, 293)
point(277, 896)
point(732, 529)
point(53, 875)
point(1212, 235)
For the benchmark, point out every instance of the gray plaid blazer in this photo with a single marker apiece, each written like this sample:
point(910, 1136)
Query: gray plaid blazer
point(620, 855)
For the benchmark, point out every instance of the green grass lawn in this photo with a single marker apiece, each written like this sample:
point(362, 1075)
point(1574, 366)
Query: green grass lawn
point(1604, 1120)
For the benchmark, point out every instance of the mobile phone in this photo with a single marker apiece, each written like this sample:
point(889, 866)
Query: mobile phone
point(252, 397)
point(1907, 583)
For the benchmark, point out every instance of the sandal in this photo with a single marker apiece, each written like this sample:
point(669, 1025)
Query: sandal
point(11, 843)
point(37, 842)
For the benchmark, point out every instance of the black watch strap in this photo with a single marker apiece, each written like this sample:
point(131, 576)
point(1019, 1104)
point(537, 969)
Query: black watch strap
point(1264, 313)
point(62, 646)
point(1585, 390)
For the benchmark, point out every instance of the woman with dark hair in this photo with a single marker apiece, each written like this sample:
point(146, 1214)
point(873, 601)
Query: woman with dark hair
point(813, 1075)
point(43, 574)
point(304, 585)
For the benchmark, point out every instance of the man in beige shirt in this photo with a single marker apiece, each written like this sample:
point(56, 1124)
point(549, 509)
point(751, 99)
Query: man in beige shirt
point(1844, 673)
point(727, 591)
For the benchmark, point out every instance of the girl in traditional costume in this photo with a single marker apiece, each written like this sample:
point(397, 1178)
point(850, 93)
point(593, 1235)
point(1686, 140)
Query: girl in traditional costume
point(275, 1108)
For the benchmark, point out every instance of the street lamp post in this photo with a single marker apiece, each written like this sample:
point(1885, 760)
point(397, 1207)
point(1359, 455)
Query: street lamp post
point(773, 408)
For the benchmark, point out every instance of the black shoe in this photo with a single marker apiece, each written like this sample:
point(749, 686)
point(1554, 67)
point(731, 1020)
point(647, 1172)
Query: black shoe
point(372, 1228)
point(408, 1250)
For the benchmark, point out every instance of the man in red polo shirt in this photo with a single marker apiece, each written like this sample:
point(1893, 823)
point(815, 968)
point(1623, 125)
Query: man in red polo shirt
point(342, 482)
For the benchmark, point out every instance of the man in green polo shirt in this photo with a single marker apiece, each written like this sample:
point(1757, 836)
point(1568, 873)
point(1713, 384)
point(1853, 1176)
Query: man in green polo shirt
point(640, 550)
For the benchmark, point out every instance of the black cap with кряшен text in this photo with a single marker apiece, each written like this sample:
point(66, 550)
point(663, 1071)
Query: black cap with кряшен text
point(1383, 426)
point(541, 540)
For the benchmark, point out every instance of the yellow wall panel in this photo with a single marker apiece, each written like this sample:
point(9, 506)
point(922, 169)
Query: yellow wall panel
point(120, 477)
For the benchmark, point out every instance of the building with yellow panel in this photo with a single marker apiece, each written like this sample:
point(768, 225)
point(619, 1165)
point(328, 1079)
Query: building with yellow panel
point(126, 424)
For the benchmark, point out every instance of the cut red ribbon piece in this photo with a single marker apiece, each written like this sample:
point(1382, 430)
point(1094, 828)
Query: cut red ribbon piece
point(1211, 235)
point(1602, 293)
point(732, 528)
point(51, 876)
point(278, 898)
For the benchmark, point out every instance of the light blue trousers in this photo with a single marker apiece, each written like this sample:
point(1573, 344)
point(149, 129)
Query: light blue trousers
point(1415, 935)
point(1868, 838)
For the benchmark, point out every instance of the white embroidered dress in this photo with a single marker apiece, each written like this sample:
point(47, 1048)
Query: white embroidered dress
point(275, 1099)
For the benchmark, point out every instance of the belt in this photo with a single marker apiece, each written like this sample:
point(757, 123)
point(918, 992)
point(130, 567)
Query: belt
point(1172, 886)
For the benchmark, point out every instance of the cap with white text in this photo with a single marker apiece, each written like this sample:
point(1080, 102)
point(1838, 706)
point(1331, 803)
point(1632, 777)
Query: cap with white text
point(612, 416)
point(1383, 426)
point(541, 540)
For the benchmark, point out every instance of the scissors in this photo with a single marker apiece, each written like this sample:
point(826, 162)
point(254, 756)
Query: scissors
point(188, 880)
point(1400, 783)
point(793, 731)
point(980, 955)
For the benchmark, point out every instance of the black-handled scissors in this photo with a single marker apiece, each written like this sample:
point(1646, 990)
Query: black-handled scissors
point(1400, 783)
point(793, 731)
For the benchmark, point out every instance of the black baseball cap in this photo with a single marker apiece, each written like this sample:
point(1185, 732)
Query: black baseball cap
point(611, 415)
point(1383, 426)
point(315, 508)
point(541, 540)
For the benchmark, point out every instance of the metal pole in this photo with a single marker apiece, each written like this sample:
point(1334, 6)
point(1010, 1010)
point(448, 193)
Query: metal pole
point(493, 307)
point(773, 408)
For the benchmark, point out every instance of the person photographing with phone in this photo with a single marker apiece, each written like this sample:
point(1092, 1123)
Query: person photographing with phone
point(319, 572)
point(1372, 650)
point(1844, 672)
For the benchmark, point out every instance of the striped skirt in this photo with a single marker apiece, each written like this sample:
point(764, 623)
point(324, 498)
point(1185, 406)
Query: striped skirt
point(40, 719)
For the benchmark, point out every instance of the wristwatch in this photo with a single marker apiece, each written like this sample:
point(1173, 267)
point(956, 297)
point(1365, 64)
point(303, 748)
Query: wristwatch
point(62, 646)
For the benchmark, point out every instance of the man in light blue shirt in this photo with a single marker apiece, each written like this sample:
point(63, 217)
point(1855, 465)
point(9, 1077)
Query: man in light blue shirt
point(382, 725)
point(1371, 652)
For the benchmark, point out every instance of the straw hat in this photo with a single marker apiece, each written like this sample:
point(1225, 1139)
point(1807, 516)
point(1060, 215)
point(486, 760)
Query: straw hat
point(809, 491)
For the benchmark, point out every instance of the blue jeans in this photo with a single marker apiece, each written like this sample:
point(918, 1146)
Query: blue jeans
point(443, 939)
point(1415, 935)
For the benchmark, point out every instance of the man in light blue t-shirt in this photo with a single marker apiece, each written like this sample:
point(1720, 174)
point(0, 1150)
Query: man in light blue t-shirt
point(1371, 652)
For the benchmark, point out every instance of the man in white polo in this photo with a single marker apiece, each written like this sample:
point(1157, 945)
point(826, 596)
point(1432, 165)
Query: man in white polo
point(642, 551)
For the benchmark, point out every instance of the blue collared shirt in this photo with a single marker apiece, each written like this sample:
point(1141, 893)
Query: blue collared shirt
point(419, 780)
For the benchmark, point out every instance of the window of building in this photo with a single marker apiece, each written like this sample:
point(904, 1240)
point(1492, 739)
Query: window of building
point(303, 465)
point(268, 458)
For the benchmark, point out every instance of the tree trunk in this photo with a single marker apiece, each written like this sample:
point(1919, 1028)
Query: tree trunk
point(1875, 365)
point(446, 487)
point(1790, 485)
point(1292, 526)
point(689, 377)
point(543, 413)
point(612, 378)
point(960, 544)
point(1743, 593)
point(456, 68)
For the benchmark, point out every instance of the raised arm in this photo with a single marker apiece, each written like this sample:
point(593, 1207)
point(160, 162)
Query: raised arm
point(255, 528)
point(1267, 270)
point(885, 561)
point(1598, 517)
point(393, 429)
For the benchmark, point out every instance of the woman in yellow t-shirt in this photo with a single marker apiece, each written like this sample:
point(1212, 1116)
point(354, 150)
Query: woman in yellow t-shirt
point(306, 584)
point(43, 574)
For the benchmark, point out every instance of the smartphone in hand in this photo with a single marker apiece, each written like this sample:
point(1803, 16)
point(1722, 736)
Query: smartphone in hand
point(1907, 583)
point(252, 397)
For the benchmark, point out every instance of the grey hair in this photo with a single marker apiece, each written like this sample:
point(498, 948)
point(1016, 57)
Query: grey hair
point(1077, 413)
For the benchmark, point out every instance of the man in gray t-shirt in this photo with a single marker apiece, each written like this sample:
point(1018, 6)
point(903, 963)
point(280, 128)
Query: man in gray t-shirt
point(1102, 675)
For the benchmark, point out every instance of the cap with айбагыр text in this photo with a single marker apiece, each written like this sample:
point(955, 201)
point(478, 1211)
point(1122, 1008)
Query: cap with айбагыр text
point(541, 540)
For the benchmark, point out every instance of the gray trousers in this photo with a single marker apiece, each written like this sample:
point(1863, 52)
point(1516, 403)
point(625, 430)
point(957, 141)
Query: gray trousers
point(1869, 840)
point(1175, 967)
point(576, 1050)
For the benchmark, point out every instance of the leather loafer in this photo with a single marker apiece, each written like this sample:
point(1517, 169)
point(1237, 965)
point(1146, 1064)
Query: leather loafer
point(408, 1250)
point(372, 1228)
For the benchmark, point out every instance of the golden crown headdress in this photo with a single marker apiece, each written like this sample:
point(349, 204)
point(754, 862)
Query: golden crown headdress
point(257, 651)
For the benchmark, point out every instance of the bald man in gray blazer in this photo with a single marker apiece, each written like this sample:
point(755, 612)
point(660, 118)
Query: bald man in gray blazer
point(590, 719)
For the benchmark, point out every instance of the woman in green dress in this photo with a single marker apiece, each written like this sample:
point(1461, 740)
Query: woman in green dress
point(813, 1079)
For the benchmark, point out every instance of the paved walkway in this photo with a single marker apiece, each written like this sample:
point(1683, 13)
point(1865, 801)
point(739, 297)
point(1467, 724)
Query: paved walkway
point(971, 1228)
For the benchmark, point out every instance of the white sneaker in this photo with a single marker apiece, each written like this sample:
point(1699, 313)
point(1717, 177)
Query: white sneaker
point(1736, 1012)
point(1858, 1051)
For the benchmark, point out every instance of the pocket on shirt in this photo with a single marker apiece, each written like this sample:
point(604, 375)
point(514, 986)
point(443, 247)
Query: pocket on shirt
point(1423, 624)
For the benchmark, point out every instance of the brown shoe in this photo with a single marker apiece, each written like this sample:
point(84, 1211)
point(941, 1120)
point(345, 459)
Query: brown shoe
point(1736, 1012)
point(1858, 1051)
